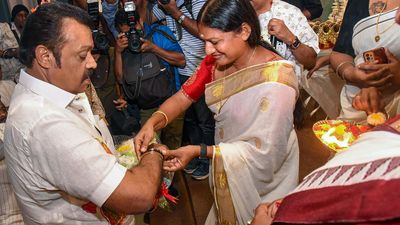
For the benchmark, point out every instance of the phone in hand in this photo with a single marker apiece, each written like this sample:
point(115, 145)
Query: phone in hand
point(377, 54)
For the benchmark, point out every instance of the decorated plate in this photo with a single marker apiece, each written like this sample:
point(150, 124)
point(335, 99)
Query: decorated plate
point(337, 134)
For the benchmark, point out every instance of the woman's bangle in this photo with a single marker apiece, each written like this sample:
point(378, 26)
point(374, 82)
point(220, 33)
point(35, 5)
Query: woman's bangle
point(165, 116)
point(340, 67)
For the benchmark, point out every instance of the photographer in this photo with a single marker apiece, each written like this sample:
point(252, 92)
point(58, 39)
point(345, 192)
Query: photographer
point(9, 42)
point(168, 51)
point(199, 125)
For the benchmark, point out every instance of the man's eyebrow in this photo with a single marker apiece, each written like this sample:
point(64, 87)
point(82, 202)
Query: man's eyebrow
point(85, 47)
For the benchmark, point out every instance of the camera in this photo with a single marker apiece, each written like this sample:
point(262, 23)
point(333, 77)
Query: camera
point(134, 35)
point(101, 43)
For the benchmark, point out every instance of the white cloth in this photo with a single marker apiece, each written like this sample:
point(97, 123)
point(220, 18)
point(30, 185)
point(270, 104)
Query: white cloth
point(324, 86)
point(296, 22)
point(52, 156)
point(6, 90)
point(364, 40)
point(9, 67)
point(258, 142)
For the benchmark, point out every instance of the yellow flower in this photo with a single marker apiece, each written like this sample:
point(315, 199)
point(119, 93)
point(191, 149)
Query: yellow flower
point(375, 119)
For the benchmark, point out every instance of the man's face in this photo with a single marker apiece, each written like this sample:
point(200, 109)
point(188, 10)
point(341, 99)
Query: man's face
point(20, 19)
point(76, 59)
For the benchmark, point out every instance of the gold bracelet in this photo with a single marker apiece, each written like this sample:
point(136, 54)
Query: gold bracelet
point(165, 116)
point(340, 66)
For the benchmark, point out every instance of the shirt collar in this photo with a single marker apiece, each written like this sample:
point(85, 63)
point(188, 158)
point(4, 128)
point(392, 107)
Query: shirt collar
point(52, 93)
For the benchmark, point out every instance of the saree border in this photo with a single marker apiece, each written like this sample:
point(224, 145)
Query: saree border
point(271, 72)
point(224, 207)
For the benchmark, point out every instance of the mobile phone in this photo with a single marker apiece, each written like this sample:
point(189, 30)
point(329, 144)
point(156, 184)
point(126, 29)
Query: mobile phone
point(377, 54)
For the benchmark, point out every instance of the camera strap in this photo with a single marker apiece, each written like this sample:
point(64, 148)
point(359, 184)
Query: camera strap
point(15, 34)
point(139, 78)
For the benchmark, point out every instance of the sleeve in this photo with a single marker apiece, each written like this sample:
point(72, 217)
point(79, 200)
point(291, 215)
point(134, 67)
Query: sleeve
point(302, 29)
point(314, 7)
point(109, 11)
point(352, 15)
point(69, 158)
point(196, 7)
point(195, 86)
point(158, 13)
point(163, 42)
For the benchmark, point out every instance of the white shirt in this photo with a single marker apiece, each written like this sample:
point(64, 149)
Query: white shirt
point(53, 159)
point(296, 22)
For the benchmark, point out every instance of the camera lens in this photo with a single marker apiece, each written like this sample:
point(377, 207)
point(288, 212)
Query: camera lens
point(100, 41)
point(134, 43)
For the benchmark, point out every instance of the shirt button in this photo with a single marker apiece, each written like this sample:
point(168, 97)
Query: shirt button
point(80, 110)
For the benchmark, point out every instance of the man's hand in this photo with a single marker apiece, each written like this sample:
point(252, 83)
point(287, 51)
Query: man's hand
point(171, 8)
point(147, 46)
point(279, 29)
point(394, 66)
point(120, 103)
point(321, 62)
point(121, 43)
point(368, 75)
point(265, 213)
point(368, 100)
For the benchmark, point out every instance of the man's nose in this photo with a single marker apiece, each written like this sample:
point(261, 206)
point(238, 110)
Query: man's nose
point(91, 63)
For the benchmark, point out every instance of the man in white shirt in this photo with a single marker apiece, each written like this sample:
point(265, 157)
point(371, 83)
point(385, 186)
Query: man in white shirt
point(56, 149)
point(287, 29)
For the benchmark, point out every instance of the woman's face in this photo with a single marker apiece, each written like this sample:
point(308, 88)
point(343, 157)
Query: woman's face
point(225, 47)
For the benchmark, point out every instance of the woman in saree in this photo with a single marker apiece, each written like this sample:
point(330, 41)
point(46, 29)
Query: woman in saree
point(368, 24)
point(252, 93)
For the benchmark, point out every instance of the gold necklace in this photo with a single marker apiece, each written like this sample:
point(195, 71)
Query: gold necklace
point(378, 34)
point(220, 103)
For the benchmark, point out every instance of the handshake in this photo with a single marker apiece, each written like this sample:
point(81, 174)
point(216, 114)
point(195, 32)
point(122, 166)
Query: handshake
point(9, 53)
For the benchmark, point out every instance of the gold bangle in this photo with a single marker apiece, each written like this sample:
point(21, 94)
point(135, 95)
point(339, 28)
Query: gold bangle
point(340, 66)
point(165, 116)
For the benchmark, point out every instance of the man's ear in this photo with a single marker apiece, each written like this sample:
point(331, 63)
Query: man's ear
point(43, 56)
point(245, 31)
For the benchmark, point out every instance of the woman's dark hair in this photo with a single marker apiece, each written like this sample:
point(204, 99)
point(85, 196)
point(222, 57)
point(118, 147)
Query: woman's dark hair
point(45, 27)
point(229, 15)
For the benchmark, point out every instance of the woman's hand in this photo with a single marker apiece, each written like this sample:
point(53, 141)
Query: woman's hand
point(321, 62)
point(143, 138)
point(368, 100)
point(179, 158)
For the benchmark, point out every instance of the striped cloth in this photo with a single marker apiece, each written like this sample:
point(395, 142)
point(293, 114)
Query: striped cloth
point(192, 47)
point(9, 211)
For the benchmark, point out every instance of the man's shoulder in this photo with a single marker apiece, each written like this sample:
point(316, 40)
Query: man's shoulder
point(285, 8)
point(4, 27)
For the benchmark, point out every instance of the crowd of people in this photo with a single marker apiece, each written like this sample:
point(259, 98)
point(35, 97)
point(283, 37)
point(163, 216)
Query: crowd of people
point(217, 84)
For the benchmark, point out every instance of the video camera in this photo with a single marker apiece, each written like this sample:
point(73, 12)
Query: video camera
point(134, 35)
point(101, 43)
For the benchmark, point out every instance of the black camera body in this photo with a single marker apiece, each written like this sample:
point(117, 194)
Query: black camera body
point(101, 43)
point(134, 35)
